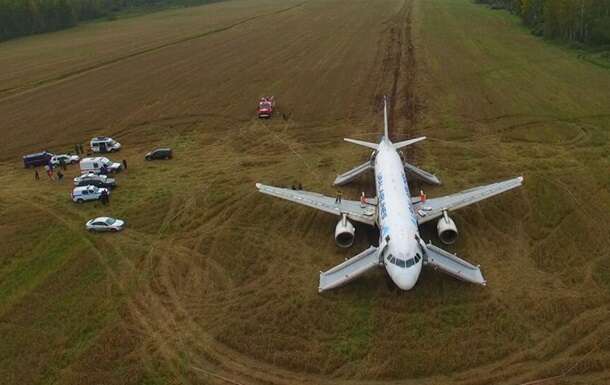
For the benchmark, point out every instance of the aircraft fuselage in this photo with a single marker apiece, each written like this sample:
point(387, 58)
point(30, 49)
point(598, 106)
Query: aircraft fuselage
point(402, 254)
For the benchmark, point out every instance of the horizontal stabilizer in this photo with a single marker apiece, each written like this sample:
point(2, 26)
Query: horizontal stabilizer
point(408, 142)
point(349, 270)
point(421, 174)
point(450, 264)
point(362, 143)
point(350, 175)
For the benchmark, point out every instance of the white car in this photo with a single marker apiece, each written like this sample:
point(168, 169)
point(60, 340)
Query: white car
point(104, 144)
point(87, 193)
point(67, 159)
point(105, 224)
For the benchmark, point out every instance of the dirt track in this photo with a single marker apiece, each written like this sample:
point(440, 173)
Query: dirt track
point(214, 283)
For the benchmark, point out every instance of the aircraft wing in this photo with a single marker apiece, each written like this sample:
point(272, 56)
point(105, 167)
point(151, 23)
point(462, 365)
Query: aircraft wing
point(434, 207)
point(353, 209)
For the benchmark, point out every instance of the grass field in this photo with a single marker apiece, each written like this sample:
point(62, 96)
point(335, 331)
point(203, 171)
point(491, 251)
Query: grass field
point(213, 282)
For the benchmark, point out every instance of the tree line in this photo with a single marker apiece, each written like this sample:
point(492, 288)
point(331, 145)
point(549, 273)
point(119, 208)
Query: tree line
point(26, 17)
point(582, 21)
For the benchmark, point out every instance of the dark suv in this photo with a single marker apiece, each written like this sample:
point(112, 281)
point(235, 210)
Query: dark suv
point(37, 159)
point(159, 153)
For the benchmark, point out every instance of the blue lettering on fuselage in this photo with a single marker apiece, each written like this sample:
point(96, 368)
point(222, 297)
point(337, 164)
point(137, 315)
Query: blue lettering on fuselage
point(406, 184)
point(383, 213)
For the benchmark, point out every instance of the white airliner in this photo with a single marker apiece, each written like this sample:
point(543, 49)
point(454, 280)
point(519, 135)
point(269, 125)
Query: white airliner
point(398, 215)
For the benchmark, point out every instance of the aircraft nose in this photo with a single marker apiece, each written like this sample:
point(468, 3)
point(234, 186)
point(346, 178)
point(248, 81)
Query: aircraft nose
point(404, 279)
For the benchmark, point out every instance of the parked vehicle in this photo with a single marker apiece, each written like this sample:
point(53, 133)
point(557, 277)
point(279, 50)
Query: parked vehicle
point(105, 224)
point(159, 153)
point(104, 144)
point(265, 107)
point(97, 180)
point(87, 193)
point(37, 159)
point(98, 165)
point(67, 159)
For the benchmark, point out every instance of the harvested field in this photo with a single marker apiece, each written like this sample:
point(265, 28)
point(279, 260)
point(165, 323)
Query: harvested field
point(214, 283)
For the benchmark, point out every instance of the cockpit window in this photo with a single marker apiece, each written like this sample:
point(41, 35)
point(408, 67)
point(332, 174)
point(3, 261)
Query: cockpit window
point(404, 263)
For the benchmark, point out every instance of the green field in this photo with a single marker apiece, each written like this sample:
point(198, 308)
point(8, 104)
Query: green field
point(214, 283)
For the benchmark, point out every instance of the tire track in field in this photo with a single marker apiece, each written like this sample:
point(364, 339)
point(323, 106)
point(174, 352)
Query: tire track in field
point(9, 93)
point(152, 326)
point(398, 73)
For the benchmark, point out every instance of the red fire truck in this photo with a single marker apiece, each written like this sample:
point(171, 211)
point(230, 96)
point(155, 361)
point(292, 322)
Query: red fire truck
point(265, 107)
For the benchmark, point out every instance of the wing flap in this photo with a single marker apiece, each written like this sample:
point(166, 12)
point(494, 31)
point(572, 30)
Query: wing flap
point(450, 264)
point(349, 270)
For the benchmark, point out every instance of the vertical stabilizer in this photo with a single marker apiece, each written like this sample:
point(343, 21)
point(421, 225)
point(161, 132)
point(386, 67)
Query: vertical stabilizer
point(386, 129)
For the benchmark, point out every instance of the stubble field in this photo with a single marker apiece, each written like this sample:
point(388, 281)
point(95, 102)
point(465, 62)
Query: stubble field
point(213, 282)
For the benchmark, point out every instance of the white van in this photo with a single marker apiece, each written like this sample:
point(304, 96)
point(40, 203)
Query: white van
point(104, 144)
point(99, 165)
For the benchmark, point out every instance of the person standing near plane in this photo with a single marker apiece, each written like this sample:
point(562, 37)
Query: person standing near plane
point(49, 170)
point(104, 197)
point(338, 198)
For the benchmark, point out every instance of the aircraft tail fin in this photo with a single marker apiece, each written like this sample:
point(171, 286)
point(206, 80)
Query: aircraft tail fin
point(386, 128)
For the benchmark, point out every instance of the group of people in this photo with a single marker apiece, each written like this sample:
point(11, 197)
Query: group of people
point(78, 149)
point(49, 171)
point(337, 197)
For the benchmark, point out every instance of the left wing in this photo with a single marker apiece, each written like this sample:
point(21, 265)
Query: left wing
point(434, 207)
point(355, 210)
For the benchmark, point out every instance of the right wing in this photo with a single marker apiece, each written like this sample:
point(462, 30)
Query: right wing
point(363, 213)
point(434, 207)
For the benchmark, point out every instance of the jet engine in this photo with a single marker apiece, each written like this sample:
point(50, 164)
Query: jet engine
point(447, 230)
point(344, 232)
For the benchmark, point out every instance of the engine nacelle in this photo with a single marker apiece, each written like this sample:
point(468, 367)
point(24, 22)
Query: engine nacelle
point(344, 232)
point(447, 230)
